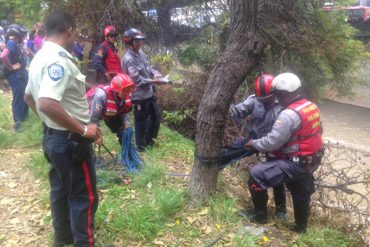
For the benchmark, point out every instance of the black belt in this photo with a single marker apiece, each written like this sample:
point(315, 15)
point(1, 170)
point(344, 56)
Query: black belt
point(302, 160)
point(66, 133)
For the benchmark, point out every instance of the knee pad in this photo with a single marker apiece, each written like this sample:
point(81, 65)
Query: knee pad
point(254, 185)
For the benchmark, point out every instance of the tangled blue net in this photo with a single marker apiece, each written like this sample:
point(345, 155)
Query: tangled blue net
point(130, 158)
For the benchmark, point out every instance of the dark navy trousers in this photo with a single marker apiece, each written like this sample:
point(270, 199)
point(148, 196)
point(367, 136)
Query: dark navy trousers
point(18, 83)
point(147, 121)
point(115, 124)
point(275, 173)
point(73, 193)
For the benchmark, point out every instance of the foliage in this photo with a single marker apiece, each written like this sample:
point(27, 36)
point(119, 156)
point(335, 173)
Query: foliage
point(26, 12)
point(205, 49)
point(165, 62)
point(319, 47)
point(322, 54)
point(175, 117)
point(200, 52)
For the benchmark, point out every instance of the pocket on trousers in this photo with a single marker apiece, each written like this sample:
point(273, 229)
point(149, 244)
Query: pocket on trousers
point(58, 149)
point(79, 153)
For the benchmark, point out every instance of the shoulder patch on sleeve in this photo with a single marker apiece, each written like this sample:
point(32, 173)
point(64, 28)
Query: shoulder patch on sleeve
point(56, 72)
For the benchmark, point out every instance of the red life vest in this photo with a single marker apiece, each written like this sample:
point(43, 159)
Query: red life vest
point(308, 137)
point(112, 62)
point(112, 107)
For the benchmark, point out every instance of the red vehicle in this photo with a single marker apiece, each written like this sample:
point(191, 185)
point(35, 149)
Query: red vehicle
point(358, 14)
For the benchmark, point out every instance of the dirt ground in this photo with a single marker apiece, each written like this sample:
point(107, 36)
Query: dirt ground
point(24, 216)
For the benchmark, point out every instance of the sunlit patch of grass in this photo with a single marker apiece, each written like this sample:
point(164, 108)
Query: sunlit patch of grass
point(31, 129)
point(39, 166)
point(223, 210)
point(138, 216)
point(245, 241)
point(325, 237)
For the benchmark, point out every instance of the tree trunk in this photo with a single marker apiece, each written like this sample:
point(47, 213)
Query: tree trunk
point(242, 54)
point(164, 21)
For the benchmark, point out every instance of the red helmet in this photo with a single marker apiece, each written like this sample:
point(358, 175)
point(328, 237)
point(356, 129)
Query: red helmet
point(263, 87)
point(110, 30)
point(122, 83)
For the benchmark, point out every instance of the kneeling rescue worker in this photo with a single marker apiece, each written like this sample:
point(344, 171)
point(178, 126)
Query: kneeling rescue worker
point(296, 138)
point(262, 110)
point(112, 103)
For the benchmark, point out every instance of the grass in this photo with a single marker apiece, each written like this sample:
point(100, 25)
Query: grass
point(155, 208)
point(223, 210)
point(31, 129)
point(325, 237)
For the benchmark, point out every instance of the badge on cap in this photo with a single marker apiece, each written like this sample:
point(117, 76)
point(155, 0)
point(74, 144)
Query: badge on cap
point(56, 72)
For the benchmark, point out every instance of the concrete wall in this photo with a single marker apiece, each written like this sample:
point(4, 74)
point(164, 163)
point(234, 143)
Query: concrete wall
point(361, 97)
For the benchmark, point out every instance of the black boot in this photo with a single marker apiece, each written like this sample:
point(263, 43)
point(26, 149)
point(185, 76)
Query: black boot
point(259, 213)
point(140, 135)
point(280, 203)
point(301, 214)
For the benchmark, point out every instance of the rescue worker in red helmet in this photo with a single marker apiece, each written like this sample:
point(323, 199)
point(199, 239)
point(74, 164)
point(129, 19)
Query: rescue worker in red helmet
point(146, 110)
point(106, 61)
point(297, 136)
point(112, 103)
point(260, 111)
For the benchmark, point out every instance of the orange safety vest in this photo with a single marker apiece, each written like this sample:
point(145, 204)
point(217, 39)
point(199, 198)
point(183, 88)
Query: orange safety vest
point(309, 136)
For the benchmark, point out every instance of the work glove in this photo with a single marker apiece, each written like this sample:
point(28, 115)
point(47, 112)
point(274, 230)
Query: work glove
point(165, 80)
point(233, 112)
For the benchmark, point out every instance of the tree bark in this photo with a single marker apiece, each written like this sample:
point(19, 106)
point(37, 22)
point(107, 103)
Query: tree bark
point(164, 21)
point(241, 56)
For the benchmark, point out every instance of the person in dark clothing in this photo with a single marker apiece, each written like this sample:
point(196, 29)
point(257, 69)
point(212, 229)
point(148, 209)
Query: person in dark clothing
point(56, 92)
point(296, 140)
point(262, 109)
point(78, 48)
point(112, 103)
point(146, 111)
point(15, 61)
point(106, 61)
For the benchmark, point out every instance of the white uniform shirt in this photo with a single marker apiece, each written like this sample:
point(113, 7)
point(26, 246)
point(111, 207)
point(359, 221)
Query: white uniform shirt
point(53, 74)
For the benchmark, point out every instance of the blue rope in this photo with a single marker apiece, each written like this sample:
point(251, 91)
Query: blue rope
point(130, 158)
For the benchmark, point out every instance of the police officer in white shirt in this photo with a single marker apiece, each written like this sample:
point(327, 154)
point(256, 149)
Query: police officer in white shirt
point(56, 92)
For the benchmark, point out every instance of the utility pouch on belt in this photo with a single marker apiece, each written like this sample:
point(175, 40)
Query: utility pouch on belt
point(81, 147)
point(312, 162)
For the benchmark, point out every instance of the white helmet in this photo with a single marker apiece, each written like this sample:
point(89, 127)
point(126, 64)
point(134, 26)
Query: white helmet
point(286, 82)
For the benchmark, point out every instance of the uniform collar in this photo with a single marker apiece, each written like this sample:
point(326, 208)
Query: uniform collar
point(52, 45)
point(132, 52)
